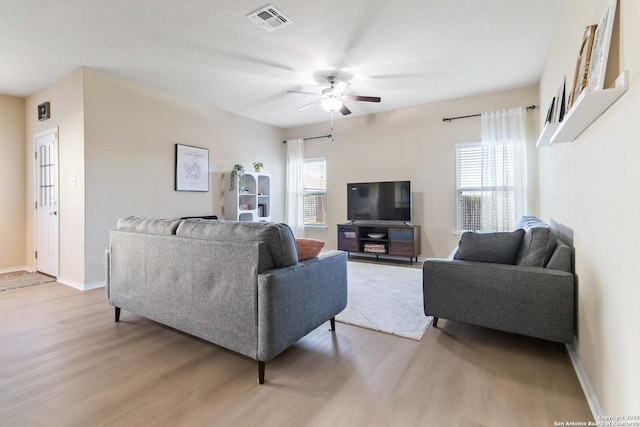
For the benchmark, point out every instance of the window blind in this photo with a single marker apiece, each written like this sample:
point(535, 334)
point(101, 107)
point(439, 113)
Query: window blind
point(315, 192)
point(468, 185)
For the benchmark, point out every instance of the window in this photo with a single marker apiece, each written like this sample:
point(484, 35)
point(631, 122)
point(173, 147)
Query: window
point(314, 192)
point(468, 185)
point(472, 192)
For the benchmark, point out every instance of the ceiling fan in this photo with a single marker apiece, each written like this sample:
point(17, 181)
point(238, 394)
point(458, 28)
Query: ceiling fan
point(332, 98)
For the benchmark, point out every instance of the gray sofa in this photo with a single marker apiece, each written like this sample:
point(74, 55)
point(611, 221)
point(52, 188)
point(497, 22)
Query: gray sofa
point(236, 284)
point(518, 282)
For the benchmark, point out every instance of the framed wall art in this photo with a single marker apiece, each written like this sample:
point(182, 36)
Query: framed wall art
point(192, 168)
point(44, 111)
point(582, 64)
point(600, 49)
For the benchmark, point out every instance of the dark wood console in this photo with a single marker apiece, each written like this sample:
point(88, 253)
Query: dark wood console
point(375, 239)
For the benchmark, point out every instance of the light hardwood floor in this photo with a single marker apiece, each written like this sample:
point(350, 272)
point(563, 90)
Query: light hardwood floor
point(64, 362)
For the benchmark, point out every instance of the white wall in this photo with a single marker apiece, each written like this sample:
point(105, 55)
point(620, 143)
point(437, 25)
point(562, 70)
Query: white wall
point(12, 179)
point(66, 99)
point(590, 187)
point(131, 132)
point(412, 144)
point(117, 144)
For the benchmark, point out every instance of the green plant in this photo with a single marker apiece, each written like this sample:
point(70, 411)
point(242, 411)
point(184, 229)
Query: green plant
point(258, 165)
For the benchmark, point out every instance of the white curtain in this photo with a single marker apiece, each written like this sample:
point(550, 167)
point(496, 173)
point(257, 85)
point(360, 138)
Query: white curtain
point(293, 214)
point(504, 169)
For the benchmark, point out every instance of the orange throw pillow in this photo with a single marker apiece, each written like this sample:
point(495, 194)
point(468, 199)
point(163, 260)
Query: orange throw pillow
point(308, 248)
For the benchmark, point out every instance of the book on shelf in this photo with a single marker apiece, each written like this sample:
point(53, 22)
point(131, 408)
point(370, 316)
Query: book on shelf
point(376, 248)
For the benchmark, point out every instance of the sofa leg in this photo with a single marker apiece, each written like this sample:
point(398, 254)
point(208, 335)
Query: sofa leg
point(435, 322)
point(117, 314)
point(333, 324)
point(261, 367)
point(562, 348)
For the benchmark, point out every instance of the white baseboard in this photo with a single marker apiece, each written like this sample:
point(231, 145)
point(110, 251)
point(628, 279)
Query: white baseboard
point(589, 393)
point(81, 286)
point(12, 269)
point(96, 285)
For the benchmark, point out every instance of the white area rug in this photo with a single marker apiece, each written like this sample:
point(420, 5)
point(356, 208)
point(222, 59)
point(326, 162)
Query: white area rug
point(386, 299)
point(23, 280)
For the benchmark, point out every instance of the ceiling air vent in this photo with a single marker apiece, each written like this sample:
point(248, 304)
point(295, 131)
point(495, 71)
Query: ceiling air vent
point(269, 18)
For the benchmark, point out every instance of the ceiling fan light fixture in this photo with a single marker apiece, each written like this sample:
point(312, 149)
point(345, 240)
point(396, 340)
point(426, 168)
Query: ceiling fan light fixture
point(331, 104)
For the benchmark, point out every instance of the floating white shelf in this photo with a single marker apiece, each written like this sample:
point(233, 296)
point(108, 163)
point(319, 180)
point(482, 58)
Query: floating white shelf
point(547, 132)
point(585, 110)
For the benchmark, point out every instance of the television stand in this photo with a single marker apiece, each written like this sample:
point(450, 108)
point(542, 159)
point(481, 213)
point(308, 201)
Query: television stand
point(401, 240)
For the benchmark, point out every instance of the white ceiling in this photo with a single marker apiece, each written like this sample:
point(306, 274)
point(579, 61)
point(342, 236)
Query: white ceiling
point(409, 52)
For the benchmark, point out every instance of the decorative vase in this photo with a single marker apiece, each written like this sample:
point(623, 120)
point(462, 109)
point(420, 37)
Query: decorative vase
point(236, 172)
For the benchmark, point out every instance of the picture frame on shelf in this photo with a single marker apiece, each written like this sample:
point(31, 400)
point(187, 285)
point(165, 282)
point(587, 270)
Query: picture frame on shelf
point(561, 101)
point(582, 64)
point(600, 48)
point(192, 168)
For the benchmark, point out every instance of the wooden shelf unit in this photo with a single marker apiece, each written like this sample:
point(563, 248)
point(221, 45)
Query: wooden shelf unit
point(399, 240)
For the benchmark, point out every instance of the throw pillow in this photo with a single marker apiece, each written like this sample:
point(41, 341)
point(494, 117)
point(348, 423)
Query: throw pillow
point(561, 258)
point(308, 248)
point(498, 248)
point(538, 242)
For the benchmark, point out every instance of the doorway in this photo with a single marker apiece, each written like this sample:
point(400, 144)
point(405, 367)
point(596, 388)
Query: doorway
point(46, 202)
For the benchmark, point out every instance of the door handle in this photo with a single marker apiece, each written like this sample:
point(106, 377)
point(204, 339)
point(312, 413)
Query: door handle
point(53, 213)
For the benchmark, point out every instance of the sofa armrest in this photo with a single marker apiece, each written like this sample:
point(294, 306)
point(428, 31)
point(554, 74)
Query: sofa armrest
point(532, 301)
point(293, 301)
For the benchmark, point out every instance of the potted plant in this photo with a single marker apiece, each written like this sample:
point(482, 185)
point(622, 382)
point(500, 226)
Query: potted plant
point(237, 171)
point(258, 166)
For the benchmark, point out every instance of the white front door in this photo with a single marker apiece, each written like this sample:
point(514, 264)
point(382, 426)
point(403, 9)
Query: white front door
point(46, 197)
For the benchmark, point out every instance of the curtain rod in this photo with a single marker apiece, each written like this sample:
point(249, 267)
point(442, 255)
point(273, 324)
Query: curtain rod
point(314, 137)
point(448, 119)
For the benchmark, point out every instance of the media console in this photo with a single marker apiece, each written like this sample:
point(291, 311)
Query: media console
point(378, 239)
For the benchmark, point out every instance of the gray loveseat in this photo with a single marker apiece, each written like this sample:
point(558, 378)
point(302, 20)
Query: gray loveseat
point(236, 284)
point(518, 282)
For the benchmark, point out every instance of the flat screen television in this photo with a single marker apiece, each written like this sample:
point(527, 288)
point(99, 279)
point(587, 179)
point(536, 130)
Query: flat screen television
point(379, 201)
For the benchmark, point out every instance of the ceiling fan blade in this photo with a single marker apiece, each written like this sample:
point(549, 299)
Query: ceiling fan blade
point(344, 110)
point(302, 91)
point(309, 104)
point(362, 98)
point(340, 87)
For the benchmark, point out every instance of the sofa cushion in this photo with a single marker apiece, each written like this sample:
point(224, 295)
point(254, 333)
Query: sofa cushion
point(538, 243)
point(561, 258)
point(308, 248)
point(148, 225)
point(279, 237)
point(498, 248)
